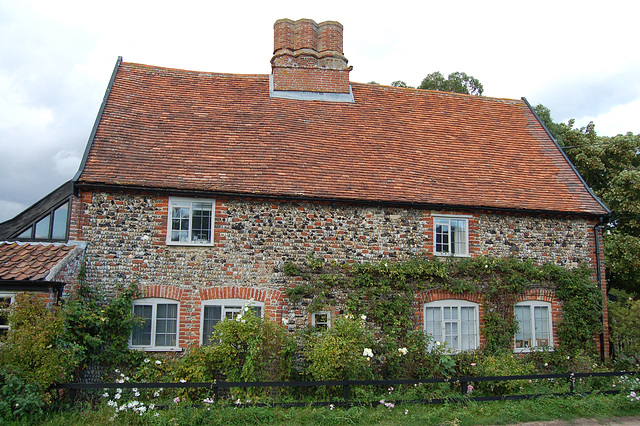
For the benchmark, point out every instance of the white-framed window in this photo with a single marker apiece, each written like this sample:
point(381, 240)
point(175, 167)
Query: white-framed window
point(159, 331)
point(190, 221)
point(214, 311)
point(534, 325)
point(454, 322)
point(451, 235)
point(6, 299)
point(321, 319)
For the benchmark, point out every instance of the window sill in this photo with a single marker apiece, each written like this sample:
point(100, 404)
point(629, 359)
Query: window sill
point(451, 255)
point(534, 349)
point(181, 244)
point(155, 349)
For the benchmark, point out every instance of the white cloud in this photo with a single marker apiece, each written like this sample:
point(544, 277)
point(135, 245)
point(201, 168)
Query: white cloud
point(619, 120)
point(9, 208)
point(66, 163)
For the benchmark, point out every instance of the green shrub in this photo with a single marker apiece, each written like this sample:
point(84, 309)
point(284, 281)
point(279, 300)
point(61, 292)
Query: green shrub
point(19, 398)
point(624, 318)
point(505, 364)
point(247, 348)
point(343, 351)
point(34, 346)
point(98, 332)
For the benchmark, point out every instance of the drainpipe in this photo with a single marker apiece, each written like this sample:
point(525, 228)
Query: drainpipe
point(596, 231)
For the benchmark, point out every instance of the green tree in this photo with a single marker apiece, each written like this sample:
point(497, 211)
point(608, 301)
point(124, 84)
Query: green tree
point(611, 168)
point(400, 83)
point(456, 82)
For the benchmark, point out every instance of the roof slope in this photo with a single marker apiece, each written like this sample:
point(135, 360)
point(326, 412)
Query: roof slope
point(185, 130)
point(31, 261)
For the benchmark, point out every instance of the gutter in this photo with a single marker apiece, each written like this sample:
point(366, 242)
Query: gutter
point(96, 123)
point(400, 204)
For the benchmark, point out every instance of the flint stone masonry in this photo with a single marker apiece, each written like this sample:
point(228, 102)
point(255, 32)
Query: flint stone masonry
point(126, 237)
point(543, 239)
point(253, 239)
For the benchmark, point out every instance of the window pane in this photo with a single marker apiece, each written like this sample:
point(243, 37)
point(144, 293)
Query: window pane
point(166, 321)
point(523, 316)
point(180, 222)
point(433, 323)
point(212, 315)
point(42, 228)
point(4, 311)
point(230, 312)
point(201, 223)
point(26, 234)
point(451, 334)
point(60, 222)
point(442, 236)
point(459, 237)
point(141, 335)
point(468, 328)
point(542, 330)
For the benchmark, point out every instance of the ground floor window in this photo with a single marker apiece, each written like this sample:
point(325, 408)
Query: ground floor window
point(159, 331)
point(5, 303)
point(534, 324)
point(454, 322)
point(321, 320)
point(214, 311)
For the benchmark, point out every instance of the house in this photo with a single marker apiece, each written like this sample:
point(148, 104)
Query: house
point(200, 186)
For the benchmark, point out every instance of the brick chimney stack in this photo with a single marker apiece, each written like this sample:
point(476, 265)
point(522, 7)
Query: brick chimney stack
point(308, 57)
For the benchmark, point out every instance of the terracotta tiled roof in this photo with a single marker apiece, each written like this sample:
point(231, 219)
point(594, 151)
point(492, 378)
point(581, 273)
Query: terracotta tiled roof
point(30, 261)
point(167, 128)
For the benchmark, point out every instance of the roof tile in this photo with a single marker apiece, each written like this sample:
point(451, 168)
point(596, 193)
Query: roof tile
point(220, 133)
point(30, 261)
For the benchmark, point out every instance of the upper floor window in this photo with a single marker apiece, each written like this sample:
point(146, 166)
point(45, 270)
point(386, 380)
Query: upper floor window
point(159, 331)
point(214, 311)
point(454, 322)
point(53, 226)
point(190, 221)
point(451, 235)
point(534, 324)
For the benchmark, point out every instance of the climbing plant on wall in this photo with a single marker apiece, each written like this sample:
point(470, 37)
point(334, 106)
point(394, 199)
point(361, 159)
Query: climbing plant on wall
point(385, 291)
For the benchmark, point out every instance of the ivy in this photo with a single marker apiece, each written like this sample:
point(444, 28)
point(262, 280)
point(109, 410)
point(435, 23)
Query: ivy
point(385, 292)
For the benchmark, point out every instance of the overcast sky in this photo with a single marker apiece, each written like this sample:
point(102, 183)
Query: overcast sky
point(579, 58)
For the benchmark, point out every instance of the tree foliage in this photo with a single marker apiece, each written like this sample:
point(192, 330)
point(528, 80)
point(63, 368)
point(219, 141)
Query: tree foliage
point(456, 82)
point(611, 168)
point(400, 83)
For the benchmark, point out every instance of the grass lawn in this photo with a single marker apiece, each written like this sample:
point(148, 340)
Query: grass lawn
point(599, 407)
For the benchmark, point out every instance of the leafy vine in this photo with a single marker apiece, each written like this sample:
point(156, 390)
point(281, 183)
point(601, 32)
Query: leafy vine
point(385, 291)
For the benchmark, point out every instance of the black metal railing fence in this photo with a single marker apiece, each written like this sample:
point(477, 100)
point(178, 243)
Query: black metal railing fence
point(347, 384)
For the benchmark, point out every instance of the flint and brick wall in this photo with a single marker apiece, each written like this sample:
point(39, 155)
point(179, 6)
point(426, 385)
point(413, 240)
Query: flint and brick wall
point(253, 239)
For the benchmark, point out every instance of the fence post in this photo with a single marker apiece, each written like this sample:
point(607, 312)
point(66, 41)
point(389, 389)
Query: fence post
point(72, 395)
point(464, 384)
point(345, 389)
point(570, 380)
